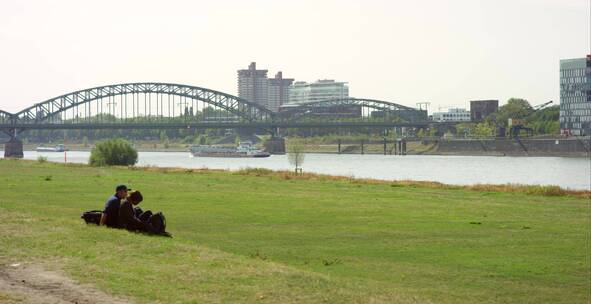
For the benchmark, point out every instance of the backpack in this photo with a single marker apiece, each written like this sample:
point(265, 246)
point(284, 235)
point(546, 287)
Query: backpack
point(158, 223)
point(92, 216)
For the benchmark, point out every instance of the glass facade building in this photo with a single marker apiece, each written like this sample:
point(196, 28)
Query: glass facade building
point(575, 96)
point(303, 92)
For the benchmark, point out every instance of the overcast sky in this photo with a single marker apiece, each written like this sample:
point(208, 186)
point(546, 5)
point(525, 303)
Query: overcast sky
point(443, 52)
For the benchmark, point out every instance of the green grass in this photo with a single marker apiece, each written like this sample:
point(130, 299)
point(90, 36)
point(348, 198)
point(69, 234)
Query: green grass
point(239, 237)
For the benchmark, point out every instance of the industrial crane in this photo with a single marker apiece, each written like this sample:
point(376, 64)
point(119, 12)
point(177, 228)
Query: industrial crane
point(516, 125)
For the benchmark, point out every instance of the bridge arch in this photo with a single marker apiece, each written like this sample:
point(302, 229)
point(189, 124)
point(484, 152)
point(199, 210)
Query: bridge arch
point(113, 103)
point(300, 110)
point(5, 117)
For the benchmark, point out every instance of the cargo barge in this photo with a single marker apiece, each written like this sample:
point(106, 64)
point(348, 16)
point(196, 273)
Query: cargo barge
point(58, 148)
point(245, 149)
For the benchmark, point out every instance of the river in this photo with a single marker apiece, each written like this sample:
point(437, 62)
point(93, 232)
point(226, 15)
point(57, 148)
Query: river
point(571, 173)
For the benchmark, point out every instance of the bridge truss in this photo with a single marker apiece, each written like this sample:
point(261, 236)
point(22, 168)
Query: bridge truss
point(166, 105)
point(141, 103)
point(353, 108)
point(5, 117)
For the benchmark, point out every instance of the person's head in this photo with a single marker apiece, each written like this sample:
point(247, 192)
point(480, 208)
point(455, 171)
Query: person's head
point(135, 197)
point(121, 191)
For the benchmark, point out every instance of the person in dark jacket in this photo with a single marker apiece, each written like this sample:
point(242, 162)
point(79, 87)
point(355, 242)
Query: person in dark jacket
point(110, 216)
point(127, 216)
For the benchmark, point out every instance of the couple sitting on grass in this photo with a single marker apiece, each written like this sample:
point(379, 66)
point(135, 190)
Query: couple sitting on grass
point(119, 212)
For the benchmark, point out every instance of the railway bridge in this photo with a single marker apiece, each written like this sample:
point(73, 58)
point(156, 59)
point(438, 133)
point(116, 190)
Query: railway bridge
point(152, 105)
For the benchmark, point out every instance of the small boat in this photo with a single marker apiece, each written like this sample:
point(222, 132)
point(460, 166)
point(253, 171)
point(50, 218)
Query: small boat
point(57, 148)
point(244, 149)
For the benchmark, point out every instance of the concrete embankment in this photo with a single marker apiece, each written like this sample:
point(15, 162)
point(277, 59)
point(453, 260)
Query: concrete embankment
point(571, 147)
point(566, 147)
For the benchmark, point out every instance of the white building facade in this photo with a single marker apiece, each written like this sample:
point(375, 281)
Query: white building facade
point(453, 114)
point(304, 92)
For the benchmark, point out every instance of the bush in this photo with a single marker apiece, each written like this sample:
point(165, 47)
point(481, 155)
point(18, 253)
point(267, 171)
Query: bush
point(114, 152)
point(41, 159)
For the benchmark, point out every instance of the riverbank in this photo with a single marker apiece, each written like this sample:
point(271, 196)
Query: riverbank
point(539, 147)
point(261, 236)
point(572, 173)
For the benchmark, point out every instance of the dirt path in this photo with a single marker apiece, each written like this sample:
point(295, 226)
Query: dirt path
point(24, 283)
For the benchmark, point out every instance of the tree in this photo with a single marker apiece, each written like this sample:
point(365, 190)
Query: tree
point(515, 108)
point(114, 152)
point(164, 139)
point(484, 130)
point(295, 154)
point(163, 136)
point(465, 129)
point(421, 133)
point(432, 132)
point(545, 121)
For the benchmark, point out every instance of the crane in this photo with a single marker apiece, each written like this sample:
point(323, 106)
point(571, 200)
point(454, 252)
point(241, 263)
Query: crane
point(516, 125)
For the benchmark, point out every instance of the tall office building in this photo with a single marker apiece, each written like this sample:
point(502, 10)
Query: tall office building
point(253, 85)
point(303, 92)
point(278, 91)
point(575, 96)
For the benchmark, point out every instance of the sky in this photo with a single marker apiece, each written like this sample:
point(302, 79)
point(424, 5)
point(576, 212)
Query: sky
point(443, 52)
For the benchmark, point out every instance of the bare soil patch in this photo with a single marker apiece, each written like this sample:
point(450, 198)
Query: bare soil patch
point(27, 283)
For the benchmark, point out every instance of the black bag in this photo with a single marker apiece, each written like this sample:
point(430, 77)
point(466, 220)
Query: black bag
point(145, 216)
point(92, 217)
point(158, 223)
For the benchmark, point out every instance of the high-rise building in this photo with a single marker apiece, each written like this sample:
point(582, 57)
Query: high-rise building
point(480, 109)
point(575, 96)
point(278, 91)
point(253, 85)
point(303, 92)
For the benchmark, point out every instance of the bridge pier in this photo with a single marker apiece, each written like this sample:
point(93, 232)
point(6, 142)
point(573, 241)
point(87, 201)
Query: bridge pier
point(400, 146)
point(275, 145)
point(13, 148)
point(403, 147)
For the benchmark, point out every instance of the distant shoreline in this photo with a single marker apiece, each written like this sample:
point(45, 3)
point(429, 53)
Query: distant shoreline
point(535, 147)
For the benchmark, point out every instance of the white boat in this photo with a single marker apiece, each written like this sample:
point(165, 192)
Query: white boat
point(57, 148)
point(245, 149)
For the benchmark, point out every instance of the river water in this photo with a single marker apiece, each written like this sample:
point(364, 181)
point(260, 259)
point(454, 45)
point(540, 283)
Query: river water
point(572, 173)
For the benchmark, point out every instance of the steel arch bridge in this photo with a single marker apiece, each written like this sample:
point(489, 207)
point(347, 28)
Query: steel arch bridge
point(5, 117)
point(151, 101)
point(152, 105)
point(364, 108)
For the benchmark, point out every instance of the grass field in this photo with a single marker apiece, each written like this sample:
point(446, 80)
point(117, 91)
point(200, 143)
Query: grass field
point(239, 237)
